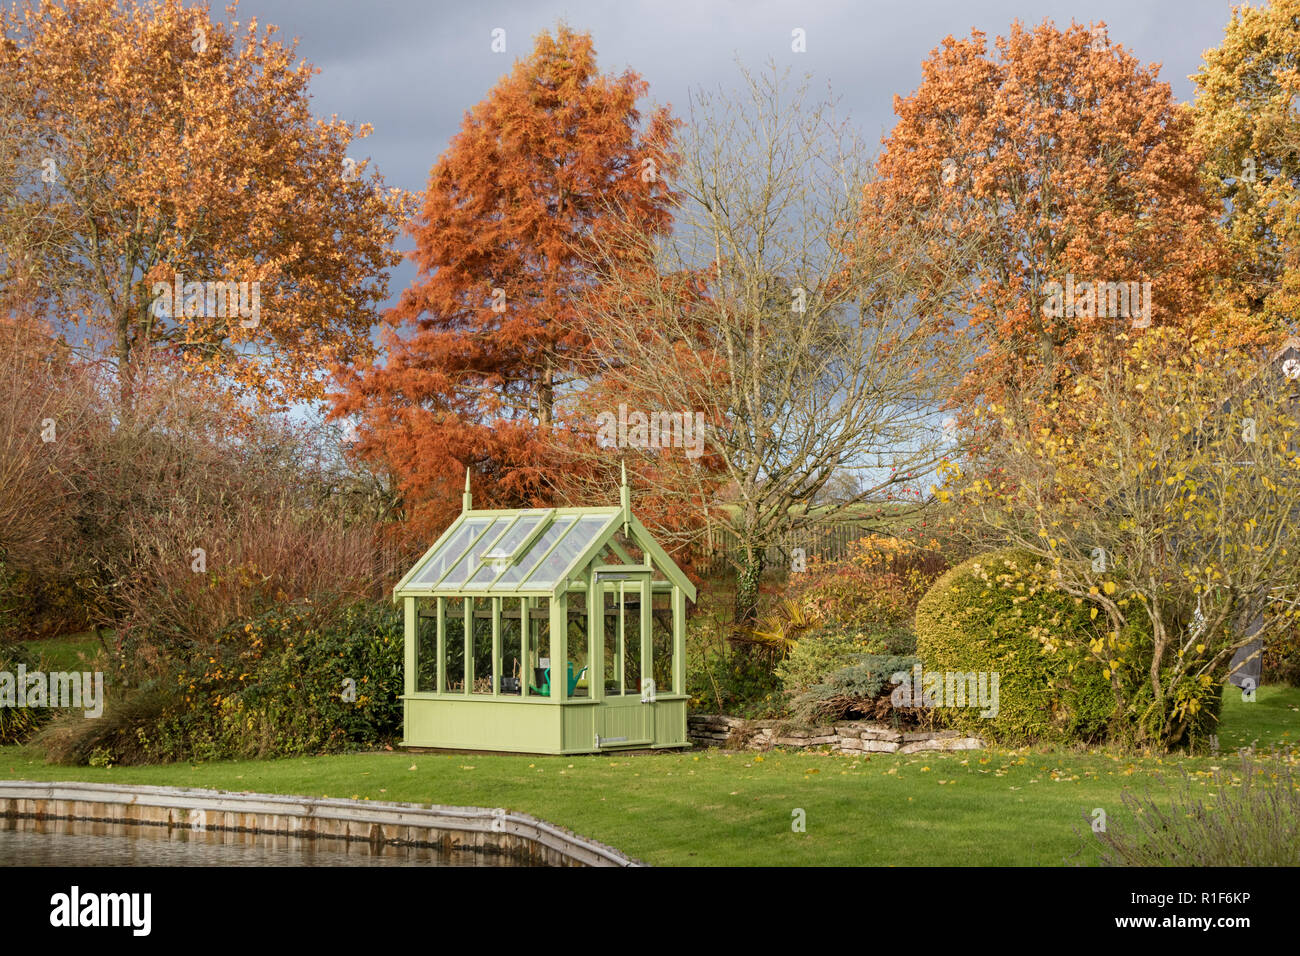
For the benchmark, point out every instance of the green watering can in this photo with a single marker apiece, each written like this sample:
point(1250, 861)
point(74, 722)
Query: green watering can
point(545, 689)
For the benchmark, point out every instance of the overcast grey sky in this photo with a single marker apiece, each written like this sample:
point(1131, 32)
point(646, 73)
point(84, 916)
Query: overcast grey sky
point(412, 68)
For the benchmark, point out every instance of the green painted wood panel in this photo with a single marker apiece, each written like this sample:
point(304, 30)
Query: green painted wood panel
point(483, 723)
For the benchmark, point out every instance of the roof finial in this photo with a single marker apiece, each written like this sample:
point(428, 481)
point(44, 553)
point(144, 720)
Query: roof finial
point(625, 498)
point(466, 500)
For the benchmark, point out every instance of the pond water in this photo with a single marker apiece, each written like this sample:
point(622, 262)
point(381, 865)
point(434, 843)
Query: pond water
point(87, 843)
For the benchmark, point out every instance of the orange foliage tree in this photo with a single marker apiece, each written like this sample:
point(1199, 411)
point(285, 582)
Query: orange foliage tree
point(1064, 172)
point(554, 155)
point(162, 147)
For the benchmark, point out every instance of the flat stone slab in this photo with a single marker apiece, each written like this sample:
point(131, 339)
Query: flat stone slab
point(854, 736)
point(949, 743)
point(880, 746)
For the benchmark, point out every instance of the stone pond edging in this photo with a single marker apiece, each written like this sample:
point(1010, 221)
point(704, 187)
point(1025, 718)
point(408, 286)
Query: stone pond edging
point(516, 835)
point(735, 733)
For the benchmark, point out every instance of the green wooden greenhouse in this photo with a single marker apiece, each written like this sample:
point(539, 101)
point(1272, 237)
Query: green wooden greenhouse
point(557, 630)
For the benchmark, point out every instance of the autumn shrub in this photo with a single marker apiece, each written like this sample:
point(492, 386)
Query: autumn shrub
point(168, 517)
point(272, 551)
point(1246, 819)
point(1165, 517)
point(997, 613)
point(41, 601)
point(879, 582)
point(195, 520)
point(295, 679)
point(12, 600)
point(1281, 660)
point(46, 400)
point(830, 616)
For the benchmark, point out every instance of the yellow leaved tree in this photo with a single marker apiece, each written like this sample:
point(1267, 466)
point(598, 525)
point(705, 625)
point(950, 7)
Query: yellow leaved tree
point(1170, 508)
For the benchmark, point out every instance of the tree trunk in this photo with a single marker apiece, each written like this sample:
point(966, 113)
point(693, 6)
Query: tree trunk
point(124, 377)
point(747, 579)
point(546, 396)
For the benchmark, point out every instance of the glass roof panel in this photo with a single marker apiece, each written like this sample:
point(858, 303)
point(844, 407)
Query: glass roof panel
point(450, 552)
point(535, 551)
point(506, 545)
point(536, 547)
point(475, 553)
point(554, 565)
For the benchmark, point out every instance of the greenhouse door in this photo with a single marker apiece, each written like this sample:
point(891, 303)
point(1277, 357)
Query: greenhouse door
point(626, 717)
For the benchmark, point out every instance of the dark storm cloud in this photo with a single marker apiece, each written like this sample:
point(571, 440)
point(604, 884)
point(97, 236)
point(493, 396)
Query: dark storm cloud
point(412, 68)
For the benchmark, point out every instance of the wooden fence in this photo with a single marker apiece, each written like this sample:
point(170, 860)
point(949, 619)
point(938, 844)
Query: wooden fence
point(829, 541)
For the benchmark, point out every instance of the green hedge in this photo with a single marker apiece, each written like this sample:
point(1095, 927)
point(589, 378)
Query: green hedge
point(997, 613)
point(299, 684)
point(19, 723)
point(296, 679)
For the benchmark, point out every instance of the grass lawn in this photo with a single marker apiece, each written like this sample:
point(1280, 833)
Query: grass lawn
point(999, 807)
point(69, 652)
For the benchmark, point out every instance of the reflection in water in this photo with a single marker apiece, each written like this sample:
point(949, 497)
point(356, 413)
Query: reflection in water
point(86, 843)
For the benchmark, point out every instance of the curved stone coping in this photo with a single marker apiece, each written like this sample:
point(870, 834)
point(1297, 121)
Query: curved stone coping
point(305, 816)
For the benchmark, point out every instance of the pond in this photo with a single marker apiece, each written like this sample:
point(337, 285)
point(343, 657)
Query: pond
point(27, 842)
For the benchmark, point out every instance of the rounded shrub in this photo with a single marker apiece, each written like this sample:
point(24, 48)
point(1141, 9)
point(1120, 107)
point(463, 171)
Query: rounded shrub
point(876, 584)
point(998, 613)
